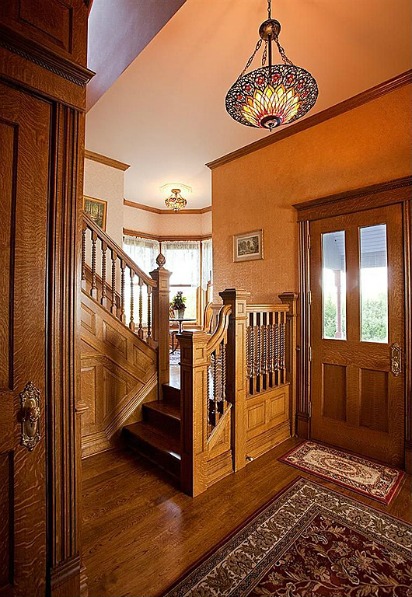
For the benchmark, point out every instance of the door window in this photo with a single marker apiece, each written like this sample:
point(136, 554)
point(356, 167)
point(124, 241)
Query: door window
point(373, 284)
point(334, 285)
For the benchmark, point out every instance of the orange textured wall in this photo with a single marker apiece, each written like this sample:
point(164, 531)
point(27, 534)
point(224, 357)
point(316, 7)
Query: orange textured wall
point(364, 146)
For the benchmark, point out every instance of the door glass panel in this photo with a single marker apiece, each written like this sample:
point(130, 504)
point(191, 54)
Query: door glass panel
point(334, 285)
point(374, 284)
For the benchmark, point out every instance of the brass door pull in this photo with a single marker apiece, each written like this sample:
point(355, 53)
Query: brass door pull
point(30, 415)
point(396, 359)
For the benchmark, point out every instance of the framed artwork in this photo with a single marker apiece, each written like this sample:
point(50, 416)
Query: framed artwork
point(248, 246)
point(96, 209)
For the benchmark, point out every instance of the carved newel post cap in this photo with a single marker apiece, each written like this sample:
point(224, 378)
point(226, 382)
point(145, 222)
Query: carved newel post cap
point(160, 260)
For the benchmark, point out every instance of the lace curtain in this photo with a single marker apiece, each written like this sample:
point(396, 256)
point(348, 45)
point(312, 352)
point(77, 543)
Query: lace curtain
point(207, 263)
point(143, 251)
point(183, 260)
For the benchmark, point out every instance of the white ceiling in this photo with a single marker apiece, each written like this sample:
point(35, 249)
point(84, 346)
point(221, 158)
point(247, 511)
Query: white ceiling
point(165, 115)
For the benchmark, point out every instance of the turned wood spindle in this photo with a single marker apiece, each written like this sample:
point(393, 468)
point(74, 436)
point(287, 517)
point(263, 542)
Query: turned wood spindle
point(93, 290)
point(103, 298)
point(149, 311)
point(113, 307)
point(122, 290)
point(131, 322)
point(140, 331)
point(84, 230)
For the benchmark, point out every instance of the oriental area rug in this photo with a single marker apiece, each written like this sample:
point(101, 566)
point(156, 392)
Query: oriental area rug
point(308, 542)
point(369, 478)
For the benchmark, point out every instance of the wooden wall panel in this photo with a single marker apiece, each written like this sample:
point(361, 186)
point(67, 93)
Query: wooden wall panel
point(118, 372)
point(374, 399)
point(267, 420)
point(7, 187)
point(334, 392)
point(6, 519)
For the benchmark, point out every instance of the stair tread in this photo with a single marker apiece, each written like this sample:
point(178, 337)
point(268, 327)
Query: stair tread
point(168, 408)
point(154, 437)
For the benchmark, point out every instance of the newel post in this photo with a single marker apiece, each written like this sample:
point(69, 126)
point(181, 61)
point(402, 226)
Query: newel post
point(160, 313)
point(236, 370)
point(193, 411)
point(290, 298)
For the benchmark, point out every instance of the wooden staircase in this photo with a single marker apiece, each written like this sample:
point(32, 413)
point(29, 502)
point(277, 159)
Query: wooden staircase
point(157, 436)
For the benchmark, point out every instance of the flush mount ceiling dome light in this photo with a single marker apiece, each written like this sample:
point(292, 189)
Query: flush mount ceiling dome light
point(274, 94)
point(175, 201)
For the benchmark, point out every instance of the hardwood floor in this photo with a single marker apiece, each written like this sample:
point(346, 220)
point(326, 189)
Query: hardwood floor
point(140, 534)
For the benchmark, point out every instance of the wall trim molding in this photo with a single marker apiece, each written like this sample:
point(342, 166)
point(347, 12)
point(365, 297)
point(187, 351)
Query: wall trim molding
point(34, 52)
point(104, 159)
point(353, 102)
point(166, 237)
point(167, 212)
point(374, 195)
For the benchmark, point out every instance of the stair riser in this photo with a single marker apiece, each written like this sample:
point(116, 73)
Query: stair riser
point(162, 421)
point(165, 460)
point(171, 395)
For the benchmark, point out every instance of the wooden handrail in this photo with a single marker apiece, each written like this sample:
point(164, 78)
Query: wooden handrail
point(88, 222)
point(220, 331)
point(266, 308)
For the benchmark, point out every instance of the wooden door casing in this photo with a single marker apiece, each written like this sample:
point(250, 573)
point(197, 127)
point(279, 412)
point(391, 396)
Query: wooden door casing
point(24, 176)
point(357, 403)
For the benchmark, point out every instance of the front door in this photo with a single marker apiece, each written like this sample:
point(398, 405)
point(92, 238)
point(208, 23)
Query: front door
point(357, 332)
point(24, 191)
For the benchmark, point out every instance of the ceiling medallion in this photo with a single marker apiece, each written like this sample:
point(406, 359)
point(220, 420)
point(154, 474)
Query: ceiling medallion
point(271, 95)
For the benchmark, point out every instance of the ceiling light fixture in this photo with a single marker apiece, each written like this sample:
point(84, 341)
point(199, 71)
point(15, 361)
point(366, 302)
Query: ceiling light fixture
point(176, 201)
point(274, 94)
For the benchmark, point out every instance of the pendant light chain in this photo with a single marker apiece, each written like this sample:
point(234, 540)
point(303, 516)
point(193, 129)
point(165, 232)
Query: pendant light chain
point(269, 9)
point(249, 62)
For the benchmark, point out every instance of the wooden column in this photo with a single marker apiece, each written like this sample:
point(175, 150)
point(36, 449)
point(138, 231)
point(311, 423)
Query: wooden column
point(290, 298)
point(236, 370)
point(193, 410)
point(161, 301)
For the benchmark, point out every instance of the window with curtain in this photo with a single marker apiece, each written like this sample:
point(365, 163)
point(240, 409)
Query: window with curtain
point(183, 260)
point(189, 261)
point(144, 252)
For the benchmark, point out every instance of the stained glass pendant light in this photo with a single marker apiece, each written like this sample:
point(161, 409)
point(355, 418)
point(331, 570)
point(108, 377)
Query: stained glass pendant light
point(273, 94)
point(175, 201)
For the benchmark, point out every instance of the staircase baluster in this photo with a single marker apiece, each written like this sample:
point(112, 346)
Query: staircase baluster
point(223, 354)
point(113, 308)
point(283, 348)
point(140, 332)
point(103, 298)
point(149, 312)
point(84, 230)
point(122, 290)
point(93, 290)
point(131, 322)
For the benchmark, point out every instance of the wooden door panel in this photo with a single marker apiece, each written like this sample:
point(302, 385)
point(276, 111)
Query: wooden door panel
point(357, 402)
point(24, 188)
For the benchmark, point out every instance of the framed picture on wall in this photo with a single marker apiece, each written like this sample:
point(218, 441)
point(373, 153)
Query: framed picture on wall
point(96, 209)
point(248, 246)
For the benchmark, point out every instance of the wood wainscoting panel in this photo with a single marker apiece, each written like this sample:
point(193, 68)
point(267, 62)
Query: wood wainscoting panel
point(374, 399)
point(267, 420)
point(118, 373)
point(6, 514)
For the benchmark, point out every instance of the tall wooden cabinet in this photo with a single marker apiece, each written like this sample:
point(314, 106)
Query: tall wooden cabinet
point(43, 74)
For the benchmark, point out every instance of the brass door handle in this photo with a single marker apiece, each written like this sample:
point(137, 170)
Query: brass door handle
point(396, 359)
point(30, 416)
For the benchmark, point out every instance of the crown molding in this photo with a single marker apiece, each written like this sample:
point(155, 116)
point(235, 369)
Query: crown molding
point(103, 159)
point(34, 52)
point(166, 212)
point(166, 237)
point(349, 104)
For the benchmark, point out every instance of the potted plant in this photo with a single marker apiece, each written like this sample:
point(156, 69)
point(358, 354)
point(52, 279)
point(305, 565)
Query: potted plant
point(178, 305)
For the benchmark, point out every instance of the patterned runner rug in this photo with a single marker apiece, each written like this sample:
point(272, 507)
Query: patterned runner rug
point(375, 480)
point(308, 542)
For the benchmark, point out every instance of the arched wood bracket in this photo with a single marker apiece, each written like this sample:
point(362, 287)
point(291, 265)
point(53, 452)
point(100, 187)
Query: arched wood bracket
point(30, 415)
